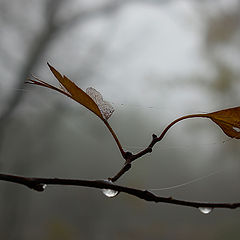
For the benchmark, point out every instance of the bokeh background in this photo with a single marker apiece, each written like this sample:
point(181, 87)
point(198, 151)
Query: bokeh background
point(154, 60)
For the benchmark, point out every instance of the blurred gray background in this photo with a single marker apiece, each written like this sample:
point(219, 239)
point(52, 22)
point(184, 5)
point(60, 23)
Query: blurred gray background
point(154, 60)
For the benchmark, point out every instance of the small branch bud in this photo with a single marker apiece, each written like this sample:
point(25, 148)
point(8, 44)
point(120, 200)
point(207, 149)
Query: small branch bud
point(154, 136)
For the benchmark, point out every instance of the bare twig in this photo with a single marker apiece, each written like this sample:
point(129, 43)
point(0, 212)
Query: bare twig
point(39, 184)
point(124, 154)
point(129, 157)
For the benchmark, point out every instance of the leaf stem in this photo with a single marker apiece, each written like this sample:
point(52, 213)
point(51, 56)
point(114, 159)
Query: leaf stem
point(115, 138)
point(132, 157)
point(178, 120)
point(158, 139)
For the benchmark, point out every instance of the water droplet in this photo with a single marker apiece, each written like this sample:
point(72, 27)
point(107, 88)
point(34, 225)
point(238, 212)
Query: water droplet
point(105, 107)
point(236, 129)
point(39, 187)
point(205, 210)
point(109, 192)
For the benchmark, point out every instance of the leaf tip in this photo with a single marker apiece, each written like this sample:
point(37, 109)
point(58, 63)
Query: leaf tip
point(49, 65)
point(57, 74)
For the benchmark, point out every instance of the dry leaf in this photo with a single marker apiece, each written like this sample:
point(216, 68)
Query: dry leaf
point(228, 120)
point(70, 89)
point(77, 93)
point(92, 101)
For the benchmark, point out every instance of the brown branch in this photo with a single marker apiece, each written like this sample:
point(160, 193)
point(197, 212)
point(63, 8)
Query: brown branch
point(115, 138)
point(39, 184)
point(129, 157)
point(158, 139)
point(126, 167)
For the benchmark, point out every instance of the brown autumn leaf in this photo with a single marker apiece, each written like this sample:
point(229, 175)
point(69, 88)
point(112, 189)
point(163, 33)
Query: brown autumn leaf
point(77, 93)
point(91, 99)
point(228, 120)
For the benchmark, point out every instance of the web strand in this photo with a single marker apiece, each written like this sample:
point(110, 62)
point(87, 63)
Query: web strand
point(188, 182)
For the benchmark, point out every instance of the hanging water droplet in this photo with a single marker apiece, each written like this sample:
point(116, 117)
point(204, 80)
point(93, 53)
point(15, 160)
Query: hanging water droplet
point(39, 187)
point(205, 210)
point(109, 192)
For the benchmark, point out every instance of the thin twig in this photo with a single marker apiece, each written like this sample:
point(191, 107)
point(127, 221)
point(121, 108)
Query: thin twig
point(156, 139)
point(39, 184)
point(129, 157)
point(115, 138)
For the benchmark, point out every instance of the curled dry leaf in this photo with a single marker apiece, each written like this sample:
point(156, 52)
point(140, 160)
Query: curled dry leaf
point(76, 93)
point(91, 99)
point(228, 120)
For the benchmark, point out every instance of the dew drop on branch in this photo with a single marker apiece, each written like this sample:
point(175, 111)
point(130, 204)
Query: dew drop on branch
point(205, 210)
point(109, 192)
point(39, 187)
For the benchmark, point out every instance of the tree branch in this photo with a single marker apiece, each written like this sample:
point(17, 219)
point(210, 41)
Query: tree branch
point(39, 184)
point(129, 157)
